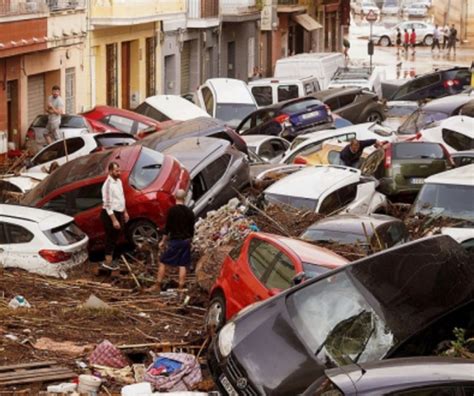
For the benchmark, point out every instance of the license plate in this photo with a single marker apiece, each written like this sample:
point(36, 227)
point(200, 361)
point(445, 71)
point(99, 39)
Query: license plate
point(310, 115)
point(417, 180)
point(228, 386)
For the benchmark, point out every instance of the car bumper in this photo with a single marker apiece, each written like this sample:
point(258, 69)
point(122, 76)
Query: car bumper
point(391, 187)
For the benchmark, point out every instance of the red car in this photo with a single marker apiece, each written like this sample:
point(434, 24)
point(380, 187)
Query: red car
point(261, 267)
point(126, 121)
point(150, 180)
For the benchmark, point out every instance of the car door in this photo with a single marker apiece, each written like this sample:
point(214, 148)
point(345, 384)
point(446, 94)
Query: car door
point(21, 250)
point(280, 276)
point(346, 107)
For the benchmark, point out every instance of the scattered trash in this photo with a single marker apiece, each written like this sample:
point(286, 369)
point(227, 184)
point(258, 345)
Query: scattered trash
point(107, 354)
point(11, 337)
point(140, 389)
point(19, 302)
point(139, 371)
point(65, 387)
point(94, 302)
point(88, 384)
point(121, 376)
point(66, 347)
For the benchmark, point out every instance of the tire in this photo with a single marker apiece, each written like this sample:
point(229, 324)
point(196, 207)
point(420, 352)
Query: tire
point(385, 41)
point(428, 40)
point(143, 231)
point(216, 313)
point(374, 116)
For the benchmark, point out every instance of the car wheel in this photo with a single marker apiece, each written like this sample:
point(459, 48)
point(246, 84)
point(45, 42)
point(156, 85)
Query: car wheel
point(216, 312)
point(143, 231)
point(428, 40)
point(374, 117)
point(384, 41)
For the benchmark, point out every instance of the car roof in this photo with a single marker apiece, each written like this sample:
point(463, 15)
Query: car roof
point(400, 373)
point(353, 223)
point(175, 107)
point(281, 105)
point(450, 103)
point(45, 219)
point(332, 92)
point(460, 176)
point(347, 129)
point(314, 181)
point(464, 124)
point(194, 150)
point(230, 90)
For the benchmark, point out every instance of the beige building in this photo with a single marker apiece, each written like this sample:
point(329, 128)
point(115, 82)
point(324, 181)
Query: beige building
point(457, 12)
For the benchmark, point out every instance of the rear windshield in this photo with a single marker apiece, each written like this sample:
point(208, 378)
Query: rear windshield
point(419, 120)
point(417, 151)
point(146, 169)
point(67, 121)
point(106, 140)
point(315, 235)
point(296, 202)
point(151, 112)
point(301, 106)
point(65, 235)
point(233, 113)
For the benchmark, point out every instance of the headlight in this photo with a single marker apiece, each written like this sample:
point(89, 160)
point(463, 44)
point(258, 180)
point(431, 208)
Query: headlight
point(226, 338)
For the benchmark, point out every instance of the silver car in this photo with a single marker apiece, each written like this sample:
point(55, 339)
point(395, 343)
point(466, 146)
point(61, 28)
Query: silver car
point(424, 33)
point(416, 10)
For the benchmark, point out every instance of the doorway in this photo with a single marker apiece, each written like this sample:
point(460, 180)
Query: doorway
point(111, 75)
point(170, 74)
point(12, 113)
point(125, 74)
point(231, 59)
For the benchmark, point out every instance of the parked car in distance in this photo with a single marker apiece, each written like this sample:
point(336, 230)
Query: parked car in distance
point(463, 158)
point(298, 334)
point(288, 119)
point(397, 112)
point(434, 85)
point(416, 10)
point(354, 104)
point(169, 107)
point(150, 180)
point(227, 99)
point(366, 78)
point(200, 126)
point(386, 37)
point(455, 133)
point(40, 241)
point(373, 233)
point(363, 7)
point(127, 121)
point(270, 148)
point(402, 376)
point(268, 91)
point(327, 190)
point(217, 170)
point(390, 7)
point(260, 267)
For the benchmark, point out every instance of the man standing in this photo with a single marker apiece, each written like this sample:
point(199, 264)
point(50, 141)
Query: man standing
point(399, 40)
point(114, 213)
point(435, 39)
point(453, 36)
point(406, 41)
point(445, 36)
point(55, 109)
point(176, 241)
point(350, 155)
point(413, 40)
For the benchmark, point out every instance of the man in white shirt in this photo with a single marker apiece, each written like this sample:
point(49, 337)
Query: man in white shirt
point(114, 213)
point(55, 109)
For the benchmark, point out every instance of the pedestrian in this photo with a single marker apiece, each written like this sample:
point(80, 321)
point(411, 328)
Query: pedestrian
point(436, 35)
point(114, 212)
point(399, 40)
point(406, 40)
point(446, 32)
point(453, 36)
point(413, 40)
point(350, 155)
point(346, 45)
point(176, 241)
point(54, 109)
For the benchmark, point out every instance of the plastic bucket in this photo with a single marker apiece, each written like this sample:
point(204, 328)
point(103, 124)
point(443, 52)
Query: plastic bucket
point(88, 384)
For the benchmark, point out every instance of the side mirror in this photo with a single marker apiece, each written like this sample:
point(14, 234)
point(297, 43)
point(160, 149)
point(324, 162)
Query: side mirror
point(299, 278)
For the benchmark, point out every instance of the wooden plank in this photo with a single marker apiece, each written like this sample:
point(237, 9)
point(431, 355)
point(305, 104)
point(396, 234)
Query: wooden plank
point(28, 365)
point(40, 379)
point(31, 373)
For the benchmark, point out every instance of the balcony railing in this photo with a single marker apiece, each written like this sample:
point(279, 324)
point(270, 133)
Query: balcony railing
point(228, 7)
point(63, 5)
point(22, 7)
point(199, 9)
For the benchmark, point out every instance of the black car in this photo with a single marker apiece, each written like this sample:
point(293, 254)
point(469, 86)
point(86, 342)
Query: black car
point(200, 126)
point(434, 85)
point(354, 104)
point(288, 119)
point(423, 376)
point(400, 302)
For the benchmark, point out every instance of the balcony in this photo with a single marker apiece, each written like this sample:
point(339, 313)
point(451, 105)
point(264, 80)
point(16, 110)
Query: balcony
point(203, 13)
point(121, 13)
point(66, 5)
point(235, 7)
point(22, 9)
point(290, 6)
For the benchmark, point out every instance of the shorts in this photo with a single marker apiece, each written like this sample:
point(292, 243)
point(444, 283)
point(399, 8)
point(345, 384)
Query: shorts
point(177, 253)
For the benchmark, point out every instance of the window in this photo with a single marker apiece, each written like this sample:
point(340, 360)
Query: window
point(263, 95)
point(282, 273)
point(304, 151)
point(215, 170)
point(278, 146)
point(71, 121)
point(296, 202)
point(208, 100)
point(151, 112)
point(418, 150)
point(17, 234)
point(247, 123)
point(423, 82)
point(261, 257)
point(111, 140)
point(3, 236)
point(346, 100)
point(121, 123)
point(457, 140)
point(347, 194)
point(333, 104)
point(235, 252)
point(330, 203)
point(233, 113)
point(146, 169)
point(65, 235)
point(76, 201)
point(266, 151)
point(395, 233)
point(287, 92)
point(461, 161)
point(51, 153)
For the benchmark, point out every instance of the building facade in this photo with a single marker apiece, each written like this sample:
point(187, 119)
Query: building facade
point(457, 12)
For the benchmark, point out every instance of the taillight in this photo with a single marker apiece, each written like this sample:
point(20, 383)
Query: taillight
point(282, 118)
point(54, 256)
point(30, 134)
point(300, 160)
point(451, 83)
point(448, 156)
point(388, 156)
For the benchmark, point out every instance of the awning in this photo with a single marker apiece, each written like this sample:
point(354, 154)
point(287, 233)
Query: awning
point(307, 22)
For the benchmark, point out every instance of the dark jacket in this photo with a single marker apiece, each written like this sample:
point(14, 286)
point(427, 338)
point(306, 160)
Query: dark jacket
point(349, 158)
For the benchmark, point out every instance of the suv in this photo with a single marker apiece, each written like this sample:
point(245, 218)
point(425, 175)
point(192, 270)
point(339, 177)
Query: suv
point(402, 167)
point(434, 85)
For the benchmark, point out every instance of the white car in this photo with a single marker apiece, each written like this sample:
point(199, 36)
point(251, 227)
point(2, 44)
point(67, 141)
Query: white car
point(360, 77)
point(455, 133)
point(386, 37)
point(327, 190)
point(464, 236)
point(269, 148)
point(40, 241)
point(363, 7)
point(416, 10)
point(390, 7)
point(310, 142)
point(227, 99)
point(169, 107)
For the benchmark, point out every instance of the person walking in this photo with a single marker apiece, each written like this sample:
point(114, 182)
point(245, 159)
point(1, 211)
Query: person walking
point(350, 155)
point(399, 40)
point(436, 35)
point(346, 46)
point(176, 241)
point(413, 40)
point(453, 36)
point(445, 36)
point(114, 212)
point(406, 40)
point(54, 109)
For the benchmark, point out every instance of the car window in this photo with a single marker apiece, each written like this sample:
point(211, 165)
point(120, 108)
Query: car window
point(266, 150)
point(208, 100)
point(462, 161)
point(417, 151)
point(146, 169)
point(74, 144)
point(215, 170)
point(330, 203)
point(457, 140)
point(296, 202)
point(121, 123)
point(347, 194)
point(263, 116)
point(78, 200)
point(141, 126)
point(333, 103)
point(279, 146)
point(287, 92)
point(428, 391)
point(423, 82)
point(50, 153)
point(391, 234)
point(17, 234)
point(309, 88)
point(65, 235)
point(68, 121)
point(305, 151)
point(334, 157)
point(346, 100)
point(261, 257)
point(3, 236)
point(40, 121)
point(151, 112)
point(199, 187)
point(282, 274)
point(263, 95)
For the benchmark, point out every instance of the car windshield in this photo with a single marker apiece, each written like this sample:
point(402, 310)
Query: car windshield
point(234, 113)
point(146, 169)
point(318, 235)
point(296, 202)
point(82, 168)
point(301, 106)
point(419, 120)
point(337, 323)
point(445, 200)
point(400, 111)
point(67, 121)
point(65, 235)
point(417, 151)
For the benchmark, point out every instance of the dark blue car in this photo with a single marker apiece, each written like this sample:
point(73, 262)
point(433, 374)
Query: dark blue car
point(288, 119)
